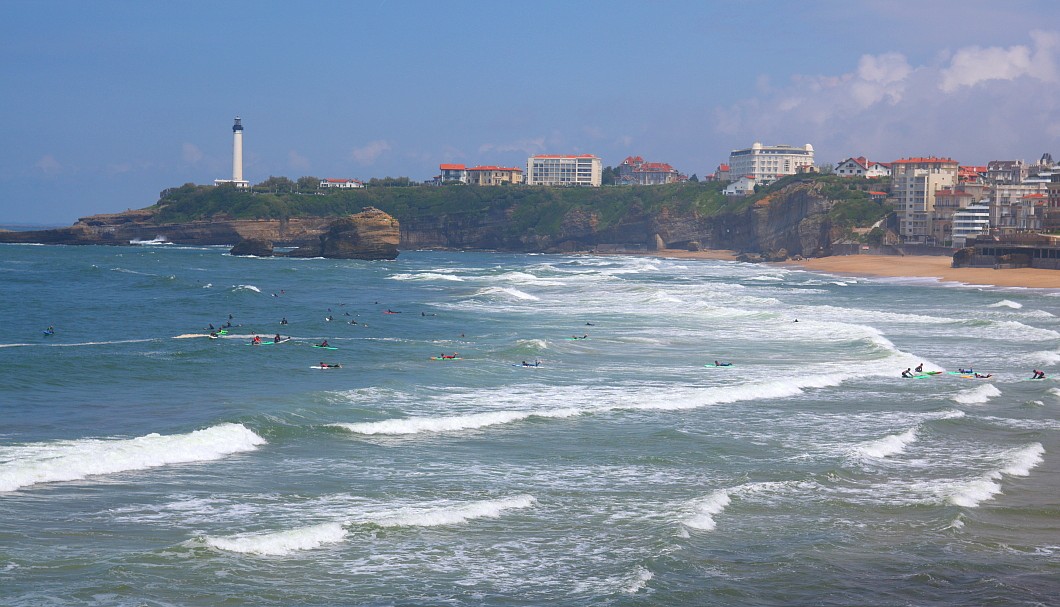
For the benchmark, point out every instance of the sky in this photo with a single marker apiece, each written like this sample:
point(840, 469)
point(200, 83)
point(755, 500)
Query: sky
point(103, 104)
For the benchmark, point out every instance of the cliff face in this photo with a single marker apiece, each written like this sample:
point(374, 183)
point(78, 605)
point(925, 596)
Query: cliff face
point(792, 221)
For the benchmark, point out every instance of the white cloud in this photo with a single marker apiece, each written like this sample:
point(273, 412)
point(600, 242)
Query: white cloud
point(887, 108)
point(190, 153)
point(535, 145)
point(297, 161)
point(370, 152)
point(48, 164)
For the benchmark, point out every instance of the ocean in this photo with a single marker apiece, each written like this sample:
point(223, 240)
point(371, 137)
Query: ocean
point(143, 463)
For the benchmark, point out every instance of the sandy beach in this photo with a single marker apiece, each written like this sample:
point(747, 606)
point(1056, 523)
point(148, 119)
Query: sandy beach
point(909, 266)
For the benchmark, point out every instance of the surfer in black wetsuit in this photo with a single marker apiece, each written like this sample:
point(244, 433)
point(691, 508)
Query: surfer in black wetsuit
point(323, 344)
point(276, 339)
point(907, 373)
point(919, 368)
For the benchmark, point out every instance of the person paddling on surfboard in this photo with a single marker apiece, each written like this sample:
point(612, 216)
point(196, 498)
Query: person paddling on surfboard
point(323, 344)
point(718, 364)
point(256, 341)
point(276, 339)
point(1038, 374)
point(907, 373)
point(919, 368)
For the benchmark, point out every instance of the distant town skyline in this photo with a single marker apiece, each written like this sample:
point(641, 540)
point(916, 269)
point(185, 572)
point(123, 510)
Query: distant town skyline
point(107, 103)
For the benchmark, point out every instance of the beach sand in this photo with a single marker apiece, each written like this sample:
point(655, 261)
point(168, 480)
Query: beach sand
point(909, 266)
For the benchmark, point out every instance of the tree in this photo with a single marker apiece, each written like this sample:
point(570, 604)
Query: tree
point(608, 176)
point(308, 184)
point(827, 168)
point(276, 185)
point(694, 178)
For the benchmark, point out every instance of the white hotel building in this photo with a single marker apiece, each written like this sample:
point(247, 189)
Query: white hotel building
point(767, 163)
point(550, 169)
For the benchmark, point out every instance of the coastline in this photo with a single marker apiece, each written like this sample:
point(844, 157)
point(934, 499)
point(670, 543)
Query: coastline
point(889, 266)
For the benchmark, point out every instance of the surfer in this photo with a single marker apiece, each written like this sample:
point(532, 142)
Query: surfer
point(447, 357)
point(536, 363)
point(256, 341)
point(213, 334)
point(283, 320)
point(1038, 374)
point(323, 344)
point(919, 368)
point(718, 364)
point(324, 365)
point(981, 376)
point(276, 339)
point(961, 370)
point(907, 373)
point(50, 330)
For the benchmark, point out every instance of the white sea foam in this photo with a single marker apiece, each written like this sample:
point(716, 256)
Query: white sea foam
point(246, 288)
point(533, 343)
point(640, 579)
point(977, 395)
point(451, 514)
point(508, 292)
point(1044, 357)
point(28, 465)
point(1004, 303)
point(280, 542)
point(886, 446)
point(1016, 462)
point(427, 276)
point(706, 508)
point(417, 425)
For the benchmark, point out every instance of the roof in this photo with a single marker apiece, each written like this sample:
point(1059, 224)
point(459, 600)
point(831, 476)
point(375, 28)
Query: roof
point(654, 167)
point(878, 193)
point(924, 159)
point(494, 168)
point(451, 167)
point(633, 160)
point(1035, 196)
point(723, 167)
point(342, 180)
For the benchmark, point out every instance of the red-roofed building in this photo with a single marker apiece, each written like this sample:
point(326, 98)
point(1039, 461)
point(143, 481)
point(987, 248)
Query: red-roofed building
point(972, 174)
point(862, 167)
point(494, 175)
point(340, 183)
point(634, 171)
point(452, 172)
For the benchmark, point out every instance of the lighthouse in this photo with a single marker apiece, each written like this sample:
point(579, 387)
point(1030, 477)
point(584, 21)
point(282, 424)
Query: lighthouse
point(237, 158)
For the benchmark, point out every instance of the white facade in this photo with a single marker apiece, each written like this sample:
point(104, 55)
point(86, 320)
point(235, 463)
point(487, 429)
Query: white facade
point(556, 170)
point(969, 221)
point(452, 172)
point(860, 167)
point(767, 163)
point(741, 187)
point(340, 183)
point(914, 183)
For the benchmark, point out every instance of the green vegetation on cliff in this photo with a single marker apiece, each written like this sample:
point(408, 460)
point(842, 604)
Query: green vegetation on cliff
point(540, 210)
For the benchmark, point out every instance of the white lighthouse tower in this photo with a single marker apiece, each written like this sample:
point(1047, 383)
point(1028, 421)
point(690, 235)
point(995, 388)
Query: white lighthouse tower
point(237, 158)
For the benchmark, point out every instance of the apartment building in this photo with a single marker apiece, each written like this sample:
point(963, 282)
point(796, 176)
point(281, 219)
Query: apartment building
point(452, 172)
point(968, 222)
point(767, 163)
point(914, 182)
point(559, 170)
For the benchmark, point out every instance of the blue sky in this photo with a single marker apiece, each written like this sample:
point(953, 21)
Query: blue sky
point(104, 104)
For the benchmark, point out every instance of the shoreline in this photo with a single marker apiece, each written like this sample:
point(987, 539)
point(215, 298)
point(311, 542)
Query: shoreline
point(890, 266)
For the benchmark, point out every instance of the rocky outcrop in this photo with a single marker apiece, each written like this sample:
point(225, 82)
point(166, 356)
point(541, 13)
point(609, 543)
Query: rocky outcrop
point(257, 247)
point(370, 234)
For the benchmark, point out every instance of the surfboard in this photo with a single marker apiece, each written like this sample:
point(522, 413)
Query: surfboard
point(446, 358)
point(319, 367)
point(325, 347)
point(526, 366)
point(719, 366)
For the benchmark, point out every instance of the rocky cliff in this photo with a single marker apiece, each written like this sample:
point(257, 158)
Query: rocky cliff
point(794, 220)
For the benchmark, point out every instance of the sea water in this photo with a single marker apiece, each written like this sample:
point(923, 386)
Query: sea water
point(143, 463)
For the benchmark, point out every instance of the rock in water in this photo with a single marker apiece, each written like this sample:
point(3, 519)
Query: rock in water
point(370, 234)
point(258, 247)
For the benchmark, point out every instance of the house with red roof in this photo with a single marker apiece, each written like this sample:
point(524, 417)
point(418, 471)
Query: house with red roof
point(635, 171)
point(862, 167)
point(340, 183)
point(494, 175)
point(451, 172)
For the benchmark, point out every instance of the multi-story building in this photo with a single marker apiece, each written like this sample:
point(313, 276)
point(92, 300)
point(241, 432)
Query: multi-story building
point(1006, 171)
point(1005, 200)
point(969, 221)
point(1026, 214)
point(340, 183)
point(452, 172)
point(556, 170)
point(634, 171)
point(914, 182)
point(767, 163)
point(492, 175)
point(949, 202)
point(861, 167)
point(741, 186)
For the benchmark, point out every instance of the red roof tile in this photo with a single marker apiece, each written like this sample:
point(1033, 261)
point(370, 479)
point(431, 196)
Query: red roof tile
point(451, 167)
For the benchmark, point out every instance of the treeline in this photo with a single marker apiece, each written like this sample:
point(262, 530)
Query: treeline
point(536, 208)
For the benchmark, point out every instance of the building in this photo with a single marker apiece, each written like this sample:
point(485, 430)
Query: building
point(972, 174)
point(237, 158)
point(1005, 200)
point(340, 183)
point(452, 172)
point(914, 182)
point(720, 174)
point(742, 186)
point(1006, 171)
point(634, 171)
point(862, 167)
point(969, 222)
point(767, 163)
point(557, 170)
point(492, 175)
